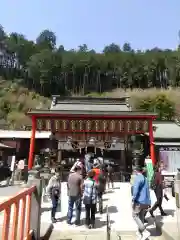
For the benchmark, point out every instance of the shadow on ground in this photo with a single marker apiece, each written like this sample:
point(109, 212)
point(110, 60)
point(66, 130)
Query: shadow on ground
point(116, 188)
point(105, 199)
point(111, 209)
point(108, 191)
point(155, 231)
point(158, 223)
point(99, 223)
point(159, 218)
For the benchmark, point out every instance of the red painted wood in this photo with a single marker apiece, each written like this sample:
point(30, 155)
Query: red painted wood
point(32, 144)
point(91, 116)
point(151, 140)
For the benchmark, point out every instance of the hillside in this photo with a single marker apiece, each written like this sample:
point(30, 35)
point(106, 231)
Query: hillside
point(164, 102)
point(15, 101)
point(31, 71)
point(49, 68)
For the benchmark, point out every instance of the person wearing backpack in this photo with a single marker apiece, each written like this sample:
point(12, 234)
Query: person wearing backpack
point(140, 201)
point(157, 186)
point(97, 171)
point(101, 185)
point(54, 191)
point(90, 195)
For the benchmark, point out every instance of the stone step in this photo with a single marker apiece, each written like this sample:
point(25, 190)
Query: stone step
point(57, 236)
point(90, 236)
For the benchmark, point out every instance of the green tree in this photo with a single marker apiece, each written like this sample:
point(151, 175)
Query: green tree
point(45, 67)
point(127, 47)
point(48, 68)
point(112, 48)
point(83, 48)
point(46, 39)
point(159, 104)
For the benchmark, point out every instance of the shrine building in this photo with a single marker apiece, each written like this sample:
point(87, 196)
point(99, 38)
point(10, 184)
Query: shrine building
point(92, 124)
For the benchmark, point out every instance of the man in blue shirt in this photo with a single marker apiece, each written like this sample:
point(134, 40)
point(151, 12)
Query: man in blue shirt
point(140, 201)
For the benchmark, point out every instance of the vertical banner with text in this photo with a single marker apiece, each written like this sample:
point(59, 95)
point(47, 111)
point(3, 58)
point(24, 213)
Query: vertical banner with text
point(150, 169)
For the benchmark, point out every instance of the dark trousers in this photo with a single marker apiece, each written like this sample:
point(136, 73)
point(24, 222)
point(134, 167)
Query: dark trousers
point(54, 200)
point(158, 204)
point(110, 180)
point(100, 200)
point(90, 213)
point(77, 201)
point(159, 195)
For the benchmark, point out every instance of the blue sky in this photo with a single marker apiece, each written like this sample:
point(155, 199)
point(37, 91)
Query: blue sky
point(143, 23)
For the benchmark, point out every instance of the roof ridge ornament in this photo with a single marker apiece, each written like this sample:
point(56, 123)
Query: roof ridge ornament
point(128, 104)
point(54, 101)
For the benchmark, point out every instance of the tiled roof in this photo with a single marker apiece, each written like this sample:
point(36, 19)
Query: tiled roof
point(166, 130)
point(90, 107)
point(90, 112)
point(89, 104)
point(168, 144)
point(23, 134)
point(4, 146)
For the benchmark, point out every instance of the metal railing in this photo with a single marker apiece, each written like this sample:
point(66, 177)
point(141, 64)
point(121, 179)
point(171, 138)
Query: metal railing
point(17, 209)
point(108, 224)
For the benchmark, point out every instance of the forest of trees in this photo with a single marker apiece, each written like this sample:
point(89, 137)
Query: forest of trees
point(50, 69)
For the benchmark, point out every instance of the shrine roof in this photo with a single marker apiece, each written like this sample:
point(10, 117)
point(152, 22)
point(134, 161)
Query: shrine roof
point(51, 113)
point(90, 104)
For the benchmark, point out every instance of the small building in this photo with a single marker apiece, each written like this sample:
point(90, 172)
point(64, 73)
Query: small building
point(167, 144)
point(17, 143)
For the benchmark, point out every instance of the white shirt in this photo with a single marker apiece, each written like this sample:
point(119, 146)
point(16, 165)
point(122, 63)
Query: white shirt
point(77, 163)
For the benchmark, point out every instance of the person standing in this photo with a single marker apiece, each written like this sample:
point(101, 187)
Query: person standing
point(54, 190)
point(88, 162)
point(90, 199)
point(74, 185)
point(97, 171)
point(158, 190)
point(110, 175)
point(101, 188)
point(77, 163)
point(140, 202)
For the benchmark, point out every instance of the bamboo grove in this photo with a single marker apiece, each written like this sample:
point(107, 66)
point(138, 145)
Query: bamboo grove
point(50, 69)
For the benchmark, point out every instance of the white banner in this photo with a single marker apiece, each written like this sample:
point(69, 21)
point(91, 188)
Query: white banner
point(171, 160)
point(13, 161)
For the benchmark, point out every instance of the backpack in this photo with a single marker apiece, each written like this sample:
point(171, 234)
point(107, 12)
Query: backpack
point(101, 182)
point(97, 173)
point(55, 192)
point(152, 182)
point(102, 178)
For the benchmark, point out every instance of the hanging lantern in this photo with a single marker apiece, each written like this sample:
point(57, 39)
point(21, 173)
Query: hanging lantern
point(107, 145)
point(102, 151)
point(53, 142)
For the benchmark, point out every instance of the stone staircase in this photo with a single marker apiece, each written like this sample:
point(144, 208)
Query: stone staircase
point(89, 236)
point(98, 236)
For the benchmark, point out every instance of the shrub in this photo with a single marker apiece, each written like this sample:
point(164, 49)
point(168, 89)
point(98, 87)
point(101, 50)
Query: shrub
point(159, 104)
